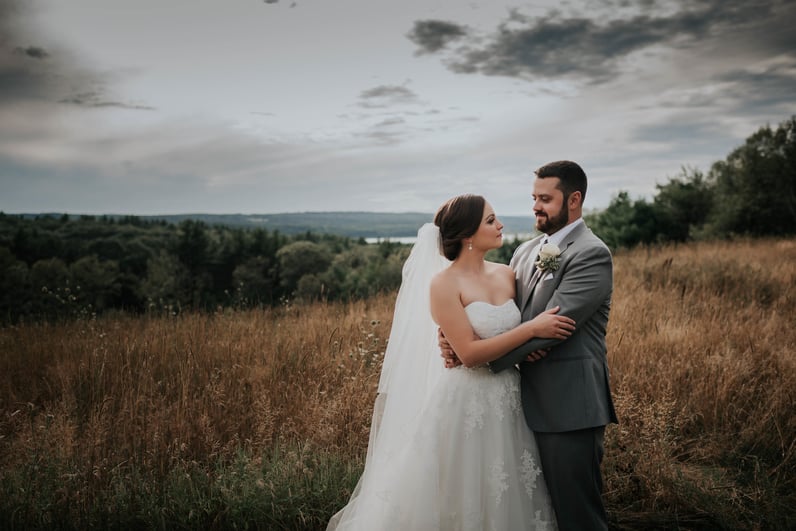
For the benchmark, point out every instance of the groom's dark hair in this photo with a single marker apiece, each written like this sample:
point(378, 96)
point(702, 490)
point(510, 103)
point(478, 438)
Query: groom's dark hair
point(457, 219)
point(572, 176)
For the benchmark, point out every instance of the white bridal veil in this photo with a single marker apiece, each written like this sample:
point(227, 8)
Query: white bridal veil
point(412, 364)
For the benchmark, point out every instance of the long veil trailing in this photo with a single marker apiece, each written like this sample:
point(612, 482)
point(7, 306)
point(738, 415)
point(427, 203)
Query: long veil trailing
point(412, 364)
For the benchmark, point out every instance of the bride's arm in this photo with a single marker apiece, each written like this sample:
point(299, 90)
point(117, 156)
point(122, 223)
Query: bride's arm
point(448, 312)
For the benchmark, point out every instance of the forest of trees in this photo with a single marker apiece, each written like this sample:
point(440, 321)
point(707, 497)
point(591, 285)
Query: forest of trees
point(54, 267)
point(752, 192)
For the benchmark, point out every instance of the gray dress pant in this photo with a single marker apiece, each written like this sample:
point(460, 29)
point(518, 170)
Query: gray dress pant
point(571, 465)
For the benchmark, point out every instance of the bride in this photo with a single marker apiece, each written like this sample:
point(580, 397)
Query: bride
point(449, 448)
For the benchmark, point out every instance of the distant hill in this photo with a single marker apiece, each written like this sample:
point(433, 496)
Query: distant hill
point(350, 224)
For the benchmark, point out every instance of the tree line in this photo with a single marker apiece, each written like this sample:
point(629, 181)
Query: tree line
point(752, 192)
point(55, 267)
point(61, 267)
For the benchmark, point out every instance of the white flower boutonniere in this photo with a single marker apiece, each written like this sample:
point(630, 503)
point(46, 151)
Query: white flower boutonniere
point(549, 258)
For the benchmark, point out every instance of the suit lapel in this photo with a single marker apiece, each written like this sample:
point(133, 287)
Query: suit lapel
point(524, 272)
point(530, 278)
point(527, 271)
point(535, 275)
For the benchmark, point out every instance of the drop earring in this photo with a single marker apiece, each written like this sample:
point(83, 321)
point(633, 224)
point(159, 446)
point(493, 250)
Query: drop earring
point(470, 245)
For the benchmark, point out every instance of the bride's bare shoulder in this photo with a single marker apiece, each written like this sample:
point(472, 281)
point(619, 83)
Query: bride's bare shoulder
point(500, 269)
point(443, 277)
point(444, 282)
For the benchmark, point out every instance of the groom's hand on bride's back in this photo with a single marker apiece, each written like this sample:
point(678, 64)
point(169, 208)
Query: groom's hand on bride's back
point(537, 355)
point(449, 357)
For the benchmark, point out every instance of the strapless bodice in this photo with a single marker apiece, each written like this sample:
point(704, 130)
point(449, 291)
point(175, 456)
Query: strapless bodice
point(490, 320)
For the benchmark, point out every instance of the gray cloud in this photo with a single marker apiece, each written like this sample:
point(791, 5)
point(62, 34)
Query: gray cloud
point(390, 121)
point(386, 96)
point(32, 73)
point(17, 81)
point(762, 91)
point(681, 134)
point(392, 129)
point(434, 35)
point(8, 11)
point(292, 4)
point(97, 100)
point(26, 71)
point(32, 51)
point(382, 136)
point(212, 168)
point(591, 49)
point(752, 90)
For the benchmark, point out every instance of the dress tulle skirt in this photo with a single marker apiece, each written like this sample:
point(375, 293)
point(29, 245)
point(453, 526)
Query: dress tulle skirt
point(469, 462)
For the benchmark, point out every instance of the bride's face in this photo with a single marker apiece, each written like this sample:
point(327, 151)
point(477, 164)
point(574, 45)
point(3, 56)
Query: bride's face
point(490, 233)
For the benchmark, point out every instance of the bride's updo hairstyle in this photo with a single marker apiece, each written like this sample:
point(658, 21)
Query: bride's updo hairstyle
point(457, 219)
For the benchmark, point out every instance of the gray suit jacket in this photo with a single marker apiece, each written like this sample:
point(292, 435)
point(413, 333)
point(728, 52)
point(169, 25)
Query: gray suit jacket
point(568, 389)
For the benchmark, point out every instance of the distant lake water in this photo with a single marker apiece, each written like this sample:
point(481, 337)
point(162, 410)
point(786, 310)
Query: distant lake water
point(411, 239)
point(394, 239)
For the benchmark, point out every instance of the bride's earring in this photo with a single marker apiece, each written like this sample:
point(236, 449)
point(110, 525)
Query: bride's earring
point(470, 245)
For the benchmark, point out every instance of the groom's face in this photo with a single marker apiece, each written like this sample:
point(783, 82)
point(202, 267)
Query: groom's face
point(549, 205)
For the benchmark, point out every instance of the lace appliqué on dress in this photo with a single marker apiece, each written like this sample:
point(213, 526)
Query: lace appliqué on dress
point(498, 480)
point(540, 524)
point(487, 399)
point(473, 415)
point(529, 473)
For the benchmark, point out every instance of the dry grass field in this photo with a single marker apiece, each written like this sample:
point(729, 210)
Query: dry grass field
point(259, 419)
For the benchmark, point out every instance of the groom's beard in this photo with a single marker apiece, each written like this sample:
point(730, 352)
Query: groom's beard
point(550, 225)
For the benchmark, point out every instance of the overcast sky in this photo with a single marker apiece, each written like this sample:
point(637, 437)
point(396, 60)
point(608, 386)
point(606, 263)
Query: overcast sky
point(252, 106)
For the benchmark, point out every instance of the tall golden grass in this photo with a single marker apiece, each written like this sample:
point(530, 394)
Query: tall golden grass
point(260, 418)
point(702, 346)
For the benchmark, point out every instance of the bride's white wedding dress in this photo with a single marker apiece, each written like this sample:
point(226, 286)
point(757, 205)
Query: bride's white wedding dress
point(467, 461)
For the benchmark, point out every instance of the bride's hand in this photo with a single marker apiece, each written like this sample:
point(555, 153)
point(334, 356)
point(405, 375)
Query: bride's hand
point(549, 325)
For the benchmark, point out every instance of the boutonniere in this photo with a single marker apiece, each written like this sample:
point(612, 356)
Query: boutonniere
point(549, 258)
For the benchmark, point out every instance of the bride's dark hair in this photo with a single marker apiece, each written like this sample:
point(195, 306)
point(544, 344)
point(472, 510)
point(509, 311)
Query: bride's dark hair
point(457, 219)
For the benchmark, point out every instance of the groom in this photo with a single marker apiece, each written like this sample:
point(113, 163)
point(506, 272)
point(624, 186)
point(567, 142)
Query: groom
point(566, 397)
point(565, 392)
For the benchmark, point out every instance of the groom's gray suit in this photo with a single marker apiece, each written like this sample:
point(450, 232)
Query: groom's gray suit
point(566, 396)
